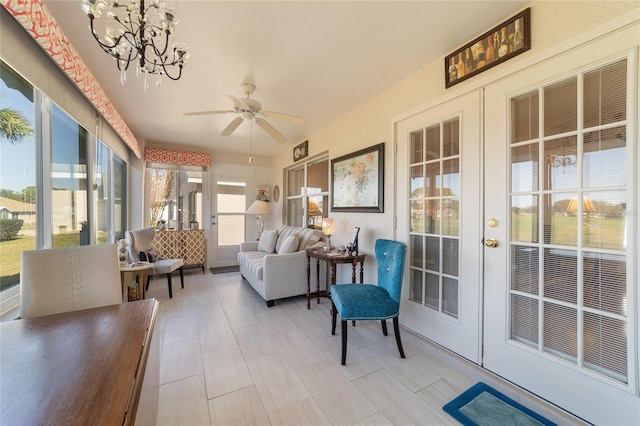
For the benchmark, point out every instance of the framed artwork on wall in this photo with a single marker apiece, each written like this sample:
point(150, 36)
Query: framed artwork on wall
point(499, 44)
point(357, 181)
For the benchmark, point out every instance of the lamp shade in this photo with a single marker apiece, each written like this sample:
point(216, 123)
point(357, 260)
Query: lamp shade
point(328, 227)
point(259, 207)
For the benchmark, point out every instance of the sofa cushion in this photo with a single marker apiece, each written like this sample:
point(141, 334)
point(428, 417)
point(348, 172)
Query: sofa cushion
point(268, 241)
point(253, 261)
point(306, 236)
point(290, 245)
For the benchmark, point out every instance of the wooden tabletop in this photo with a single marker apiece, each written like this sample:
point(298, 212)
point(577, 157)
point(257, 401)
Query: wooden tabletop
point(76, 367)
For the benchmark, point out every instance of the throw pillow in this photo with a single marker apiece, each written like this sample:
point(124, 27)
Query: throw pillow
point(150, 255)
point(268, 241)
point(290, 245)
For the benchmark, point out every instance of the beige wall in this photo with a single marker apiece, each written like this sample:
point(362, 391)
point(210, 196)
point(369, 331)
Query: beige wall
point(556, 26)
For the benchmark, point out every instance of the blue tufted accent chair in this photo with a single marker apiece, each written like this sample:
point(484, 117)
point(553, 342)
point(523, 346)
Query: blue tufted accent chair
point(369, 301)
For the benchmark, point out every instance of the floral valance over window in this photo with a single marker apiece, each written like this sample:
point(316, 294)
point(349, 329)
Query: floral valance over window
point(170, 156)
point(39, 23)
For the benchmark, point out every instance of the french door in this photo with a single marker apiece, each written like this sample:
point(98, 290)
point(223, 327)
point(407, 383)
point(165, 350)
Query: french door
point(439, 180)
point(560, 278)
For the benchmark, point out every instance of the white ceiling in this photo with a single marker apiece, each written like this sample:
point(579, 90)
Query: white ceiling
point(314, 59)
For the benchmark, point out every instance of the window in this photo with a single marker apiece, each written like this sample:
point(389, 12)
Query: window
point(175, 197)
point(17, 173)
point(70, 226)
point(307, 189)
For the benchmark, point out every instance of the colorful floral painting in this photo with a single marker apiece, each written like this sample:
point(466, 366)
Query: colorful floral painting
point(357, 180)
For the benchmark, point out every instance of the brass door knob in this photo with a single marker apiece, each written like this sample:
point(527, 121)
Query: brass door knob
point(491, 243)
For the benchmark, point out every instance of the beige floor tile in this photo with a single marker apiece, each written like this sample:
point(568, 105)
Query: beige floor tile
point(225, 371)
point(183, 402)
point(183, 328)
point(396, 402)
point(254, 342)
point(216, 334)
point(439, 393)
point(210, 312)
point(240, 407)
point(375, 420)
point(276, 382)
point(305, 412)
point(180, 360)
point(297, 349)
point(339, 399)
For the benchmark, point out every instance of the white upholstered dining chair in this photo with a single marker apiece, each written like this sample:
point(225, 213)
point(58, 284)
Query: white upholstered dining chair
point(68, 279)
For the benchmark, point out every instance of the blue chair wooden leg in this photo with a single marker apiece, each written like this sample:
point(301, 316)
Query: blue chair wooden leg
point(384, 327)
point(344, 342)
point(396, 330)
point(334, 316)
point(169, 284)
point(181, 278)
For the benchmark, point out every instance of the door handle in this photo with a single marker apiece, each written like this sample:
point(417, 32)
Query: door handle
point(491, 243)
point(214, 223)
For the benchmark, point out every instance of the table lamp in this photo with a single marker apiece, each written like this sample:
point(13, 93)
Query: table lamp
point(259, 208)
point(328, 228)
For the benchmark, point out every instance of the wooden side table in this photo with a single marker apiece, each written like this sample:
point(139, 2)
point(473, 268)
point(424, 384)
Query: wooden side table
point(141, 270)
point(332, 258)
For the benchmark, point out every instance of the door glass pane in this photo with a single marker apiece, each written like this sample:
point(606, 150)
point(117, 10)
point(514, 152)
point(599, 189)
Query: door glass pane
point(230, 230)
point(524, 320)
point(68, 181)
point(432, 285)
point(525, 269)
point(605, 220)
point(417, 153)
point(417, 216)
point(416, 286)
point(524, 218)
point(17, 173)
point(561, 163)
point(584, 208)
point(451, 137)
point(605, 158)
point(524, 168)
point(524, 112)
point(560, 219)
point(605, 95)
point(416, 251)
point(561, 107)
point(433, 142)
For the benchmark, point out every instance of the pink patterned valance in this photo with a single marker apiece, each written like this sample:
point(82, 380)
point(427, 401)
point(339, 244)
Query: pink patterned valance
point(170, 156)
point(40, 24)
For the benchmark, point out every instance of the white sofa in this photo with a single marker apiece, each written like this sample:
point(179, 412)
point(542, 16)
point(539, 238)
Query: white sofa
point(276, 266)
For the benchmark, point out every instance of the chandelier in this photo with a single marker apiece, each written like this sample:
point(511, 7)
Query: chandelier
point(139, 31)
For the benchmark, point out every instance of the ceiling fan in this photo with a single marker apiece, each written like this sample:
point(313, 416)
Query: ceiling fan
point(251, 109)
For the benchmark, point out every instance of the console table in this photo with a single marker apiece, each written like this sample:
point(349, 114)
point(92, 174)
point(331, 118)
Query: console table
point(82, 367)
point(332, 258)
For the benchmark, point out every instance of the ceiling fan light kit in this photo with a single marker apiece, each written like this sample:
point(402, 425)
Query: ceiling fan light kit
point(250, 109)
point(139, 31)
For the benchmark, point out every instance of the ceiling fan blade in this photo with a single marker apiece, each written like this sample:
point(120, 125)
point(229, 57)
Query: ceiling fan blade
point(283, 116)
point(276, 135)
point(232, 126)
point(225, 111)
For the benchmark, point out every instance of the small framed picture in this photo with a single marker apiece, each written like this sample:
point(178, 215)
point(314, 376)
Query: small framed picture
point(301, 151)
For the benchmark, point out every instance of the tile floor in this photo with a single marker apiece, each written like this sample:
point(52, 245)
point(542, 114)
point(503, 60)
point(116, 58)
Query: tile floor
point(227, 359)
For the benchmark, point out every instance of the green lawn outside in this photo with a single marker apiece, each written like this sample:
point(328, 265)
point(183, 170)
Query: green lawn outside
point(10, 255)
